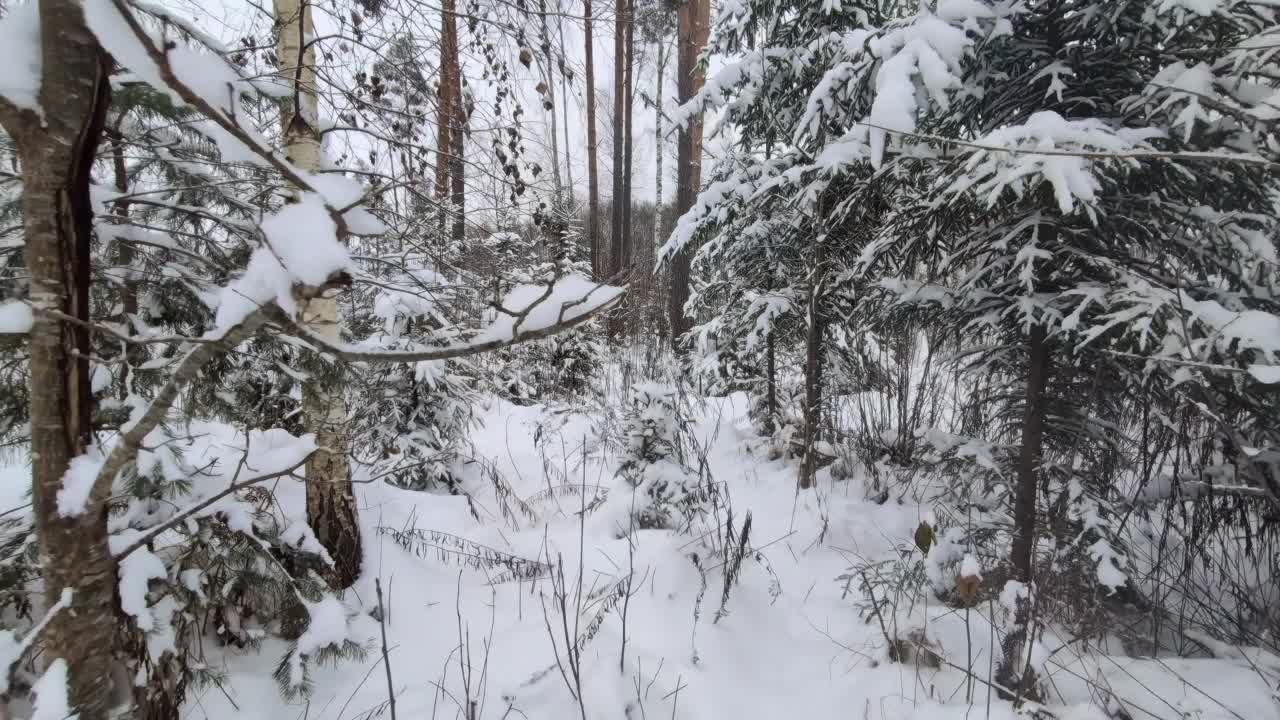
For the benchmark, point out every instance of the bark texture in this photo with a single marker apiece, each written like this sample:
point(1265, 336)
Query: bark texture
point(619, 126)
point(692, 27)
point(1021, 555)
point(450, 176)
point(57, 152)
point(593, 176)
point(1017, 679)
point(812, 390)
point(628, 140)
point(331, 505)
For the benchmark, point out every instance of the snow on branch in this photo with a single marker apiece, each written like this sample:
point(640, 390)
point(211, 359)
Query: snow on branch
point(134, 432)
point(308, 448)
point(212, 86)
point(528, 312)
point(12, 649)
point(991, 173)
point(20, 75)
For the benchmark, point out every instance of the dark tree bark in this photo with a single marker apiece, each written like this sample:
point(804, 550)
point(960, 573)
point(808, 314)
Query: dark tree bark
point(771, 384)
point(1013, 672)
point(457, 167)
point(593, 177)
point(693, 26)
point(628, 141)
point(1024, 504)
point(812, 389)
point(619, 127)
point(449, 95)
point(57, 154)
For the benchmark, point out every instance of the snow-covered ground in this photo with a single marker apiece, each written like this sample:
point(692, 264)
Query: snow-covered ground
point(466, 640)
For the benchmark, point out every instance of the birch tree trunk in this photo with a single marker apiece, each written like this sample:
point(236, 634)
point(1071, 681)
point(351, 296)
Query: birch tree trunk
point(56, 152)
point(331, 504)
point(692, 22)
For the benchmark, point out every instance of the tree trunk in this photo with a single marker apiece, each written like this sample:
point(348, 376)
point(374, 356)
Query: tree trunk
point(564, 109)
point(457, 165)
point(593, 177)
point(812, 389)
point(549, 98)
point(1024, 506)
point(771, 384)
point(692, 23)
point(619, 123)
point(447, 96)
point(331, 504)
point(628, 141)
point(1013, 672)
point(57, 153)
point(653, 310)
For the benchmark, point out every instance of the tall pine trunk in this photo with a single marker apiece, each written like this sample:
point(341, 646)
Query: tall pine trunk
point(564, 109)
point(331, 504)
point(56, 152)
point(593, 177)
point(549, 99)
point(692, 24)
point(448, 94)
point(651, 311)
point(457, 158)
point(628, 140)
point(619, 125)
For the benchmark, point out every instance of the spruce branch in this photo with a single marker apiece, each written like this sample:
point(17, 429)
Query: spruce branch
point(126, 450)
point(193, 509)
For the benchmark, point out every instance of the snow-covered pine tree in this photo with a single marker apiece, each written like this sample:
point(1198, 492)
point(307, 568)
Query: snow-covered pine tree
point(1043, 179)
point(1073, 270)
point(667, 493)
point(783, 220)
point(414, 432)
point(572, 361)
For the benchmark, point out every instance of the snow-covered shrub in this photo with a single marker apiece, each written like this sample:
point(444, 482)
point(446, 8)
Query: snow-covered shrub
point(411, 420)
point(668, 494)
point(236, 573)
point(415, 429)
point(571, 361)
point(564, 366)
